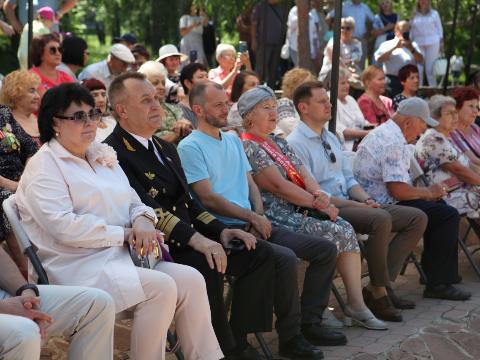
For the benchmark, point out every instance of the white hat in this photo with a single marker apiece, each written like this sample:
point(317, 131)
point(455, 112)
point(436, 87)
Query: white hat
point(170, 50)
point(123, 53)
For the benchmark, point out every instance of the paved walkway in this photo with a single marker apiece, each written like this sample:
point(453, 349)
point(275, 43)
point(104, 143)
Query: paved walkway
point(435, 329)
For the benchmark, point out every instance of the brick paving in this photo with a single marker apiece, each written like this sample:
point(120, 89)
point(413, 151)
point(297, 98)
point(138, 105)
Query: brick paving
point(434, 330)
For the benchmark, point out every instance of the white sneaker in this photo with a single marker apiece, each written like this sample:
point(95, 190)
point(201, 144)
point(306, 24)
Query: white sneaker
point(330, 321)
point(363, 318)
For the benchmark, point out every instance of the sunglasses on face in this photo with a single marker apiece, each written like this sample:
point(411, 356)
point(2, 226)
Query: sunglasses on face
point(329, 152)
point(347, 28)
point(81, 117)
point(54, 49)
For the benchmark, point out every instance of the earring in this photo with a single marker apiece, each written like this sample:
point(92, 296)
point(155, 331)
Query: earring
point(57, 134)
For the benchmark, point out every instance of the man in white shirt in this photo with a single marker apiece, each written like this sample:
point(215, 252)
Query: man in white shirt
point(86, 314)
point(117, 62)
point(362, 14)
point(396, 53)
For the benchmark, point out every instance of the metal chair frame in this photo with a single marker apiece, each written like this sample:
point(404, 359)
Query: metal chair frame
point(11, 211)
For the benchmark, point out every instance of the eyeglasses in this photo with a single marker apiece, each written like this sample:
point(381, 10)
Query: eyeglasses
point(328, 151)
point(81, 117)
point(347, 28)
point(53, 50)
point(452, 113)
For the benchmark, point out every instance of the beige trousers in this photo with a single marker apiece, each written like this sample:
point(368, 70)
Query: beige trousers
point(84, 315)
point(174, 292)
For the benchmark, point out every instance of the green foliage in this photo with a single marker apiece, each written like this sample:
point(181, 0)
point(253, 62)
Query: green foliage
point(155, 22)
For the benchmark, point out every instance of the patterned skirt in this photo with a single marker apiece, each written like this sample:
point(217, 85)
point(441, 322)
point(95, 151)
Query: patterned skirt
point(340, 232)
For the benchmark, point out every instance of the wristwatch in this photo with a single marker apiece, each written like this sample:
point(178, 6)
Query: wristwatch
point(22, 288)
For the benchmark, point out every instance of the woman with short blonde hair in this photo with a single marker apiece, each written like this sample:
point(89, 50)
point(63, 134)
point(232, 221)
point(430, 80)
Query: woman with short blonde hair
point(375, 107)
point(287, 116)
point(19, 141)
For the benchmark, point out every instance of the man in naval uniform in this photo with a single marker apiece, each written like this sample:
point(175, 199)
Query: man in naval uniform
point(195, 237)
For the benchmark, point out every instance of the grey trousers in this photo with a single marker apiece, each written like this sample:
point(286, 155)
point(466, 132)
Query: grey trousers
point(386, 255)
point(85, 315)
point(321, 255)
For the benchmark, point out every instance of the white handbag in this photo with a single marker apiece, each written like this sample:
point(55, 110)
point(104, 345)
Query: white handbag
point(285, 52)
point(440, 66)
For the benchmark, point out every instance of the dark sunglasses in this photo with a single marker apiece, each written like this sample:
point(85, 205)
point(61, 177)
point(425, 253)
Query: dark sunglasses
point(81, 117)
point(348, 28)
point(329, 152)
point(53, 50)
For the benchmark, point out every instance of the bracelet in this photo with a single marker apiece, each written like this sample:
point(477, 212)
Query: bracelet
point(22, 288)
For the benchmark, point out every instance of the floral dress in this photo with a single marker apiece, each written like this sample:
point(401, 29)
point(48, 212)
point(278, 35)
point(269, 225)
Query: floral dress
point(283, 213)
point(16, 146)
point(433, 150)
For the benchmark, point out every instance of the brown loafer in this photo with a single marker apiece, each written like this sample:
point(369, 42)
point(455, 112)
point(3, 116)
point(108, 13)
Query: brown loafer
point(398, 302)
point(382, 307)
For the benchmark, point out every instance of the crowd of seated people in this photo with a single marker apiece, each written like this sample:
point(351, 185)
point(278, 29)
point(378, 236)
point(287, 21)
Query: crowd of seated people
point(136, 163)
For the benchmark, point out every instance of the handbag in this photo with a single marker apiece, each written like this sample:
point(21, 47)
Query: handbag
point(285, 52)
point(440, 66)
point(160, 253)
point(314, 213)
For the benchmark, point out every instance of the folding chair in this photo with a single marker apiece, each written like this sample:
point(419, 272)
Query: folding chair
point(421, 179)
point(462, 241)
point(11, 211)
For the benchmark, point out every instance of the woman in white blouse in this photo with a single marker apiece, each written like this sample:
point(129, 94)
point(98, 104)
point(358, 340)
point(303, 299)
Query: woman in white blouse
point(79, 210)
point(350, 120)
point(427, 31)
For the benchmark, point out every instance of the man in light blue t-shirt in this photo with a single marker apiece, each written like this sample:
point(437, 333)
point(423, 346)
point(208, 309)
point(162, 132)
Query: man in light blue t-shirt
point(218, 171)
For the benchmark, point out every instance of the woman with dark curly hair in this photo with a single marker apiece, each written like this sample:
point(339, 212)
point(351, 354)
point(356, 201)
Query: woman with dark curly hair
point(46, 55)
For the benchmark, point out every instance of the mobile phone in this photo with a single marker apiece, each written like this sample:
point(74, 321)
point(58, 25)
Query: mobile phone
point(193, 56)
point(368, 127)
point(235, 245)
point(242, 46)
point(406, 36)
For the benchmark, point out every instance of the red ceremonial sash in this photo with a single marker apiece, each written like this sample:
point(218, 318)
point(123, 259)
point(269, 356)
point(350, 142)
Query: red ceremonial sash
point(278, 157)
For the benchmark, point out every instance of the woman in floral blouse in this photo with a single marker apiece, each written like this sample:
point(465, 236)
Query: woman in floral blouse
point(16, 147)
point(19, 140)
point(293, 199)
point(443, 163)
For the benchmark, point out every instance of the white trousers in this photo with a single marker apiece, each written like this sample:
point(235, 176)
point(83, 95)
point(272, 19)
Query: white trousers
point(174, 292)
point(85, 315)
point(430, 54)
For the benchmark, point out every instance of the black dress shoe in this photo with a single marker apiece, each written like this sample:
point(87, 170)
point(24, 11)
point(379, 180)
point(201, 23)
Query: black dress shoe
point(249, 353)
point(299, 348)
point(398, 302)
point(321, 336)
point(446, 292)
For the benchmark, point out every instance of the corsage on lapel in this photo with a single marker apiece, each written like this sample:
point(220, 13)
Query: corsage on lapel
point(103, 154)
point(128, 146)
point(8, 139)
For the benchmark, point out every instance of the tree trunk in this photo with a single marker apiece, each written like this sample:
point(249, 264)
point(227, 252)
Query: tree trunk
point(304, 58)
